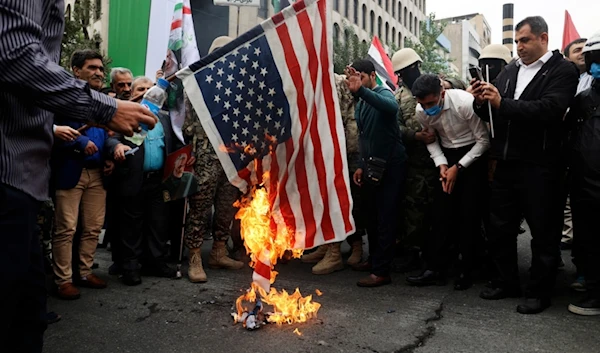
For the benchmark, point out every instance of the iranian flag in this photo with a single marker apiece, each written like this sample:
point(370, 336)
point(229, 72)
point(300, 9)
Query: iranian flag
point(383, 65)
point(182, 51)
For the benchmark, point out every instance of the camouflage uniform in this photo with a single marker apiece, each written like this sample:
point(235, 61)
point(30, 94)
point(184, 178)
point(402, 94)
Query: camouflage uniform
point(421, 175)
point(214, 188)
point(347, 105)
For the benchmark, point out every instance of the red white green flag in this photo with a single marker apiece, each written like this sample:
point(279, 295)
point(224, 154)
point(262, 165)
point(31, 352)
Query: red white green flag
point(383, 65)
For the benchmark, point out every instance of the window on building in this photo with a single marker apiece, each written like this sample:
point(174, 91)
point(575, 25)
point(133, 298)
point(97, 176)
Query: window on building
point(393, 9)
point(379, 2)
point(379, 27)
point(393, 35)
point(405, 17)
point(400, 12)
point(410, 25)
point(387, 33)
point(347, 36)
point(400, 42)
point(372, 23)
point(364, 17)
point(416, 27)
point(68, 12)
point(387, 5)
point(336, 5)
point(355, 8)
point(336, 32)
point(263, 10)
point(347, 8)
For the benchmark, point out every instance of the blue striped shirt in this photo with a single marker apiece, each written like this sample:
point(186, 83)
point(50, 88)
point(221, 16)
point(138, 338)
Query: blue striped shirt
point(33, 87)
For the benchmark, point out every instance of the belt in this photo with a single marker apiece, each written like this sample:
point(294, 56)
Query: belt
point(152, 174)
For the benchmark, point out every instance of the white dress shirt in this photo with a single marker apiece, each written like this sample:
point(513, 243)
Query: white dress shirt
point(528, 72)
point(585, 82)
point(457, 126)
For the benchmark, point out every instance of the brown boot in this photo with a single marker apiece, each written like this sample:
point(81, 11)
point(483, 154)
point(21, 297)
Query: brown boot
point(196, 273)
point(68, 291)
point(331, 262)
point(91, 281)
point(356, 255)
point(315, 256)
point(220, 259)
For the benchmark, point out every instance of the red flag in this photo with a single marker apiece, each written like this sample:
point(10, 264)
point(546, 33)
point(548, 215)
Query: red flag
point(569, 32)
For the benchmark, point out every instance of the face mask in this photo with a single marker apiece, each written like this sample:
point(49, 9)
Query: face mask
point(595, 71)
point(435, 110)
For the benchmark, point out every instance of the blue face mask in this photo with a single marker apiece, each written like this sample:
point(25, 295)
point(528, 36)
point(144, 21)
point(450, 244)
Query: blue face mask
point(433, 111)
point(595, 71)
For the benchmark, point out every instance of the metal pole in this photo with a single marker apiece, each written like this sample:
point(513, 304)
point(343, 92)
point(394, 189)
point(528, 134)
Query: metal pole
point(237, 32)
point(178, 275)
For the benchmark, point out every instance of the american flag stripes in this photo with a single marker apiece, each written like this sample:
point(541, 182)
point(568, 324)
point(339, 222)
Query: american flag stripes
point(267, 103)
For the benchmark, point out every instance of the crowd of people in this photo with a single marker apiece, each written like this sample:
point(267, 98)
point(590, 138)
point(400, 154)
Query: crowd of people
point(443, 174)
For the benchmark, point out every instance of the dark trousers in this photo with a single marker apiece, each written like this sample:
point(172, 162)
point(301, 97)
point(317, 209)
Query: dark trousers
point(381, 204)
point(143, 225)
point(175, 226)
point(457, 216)
point(535, 191)
point(22, 278)
point(113, 214)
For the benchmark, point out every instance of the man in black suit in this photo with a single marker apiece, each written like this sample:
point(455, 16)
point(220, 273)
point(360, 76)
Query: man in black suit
point(143, 219)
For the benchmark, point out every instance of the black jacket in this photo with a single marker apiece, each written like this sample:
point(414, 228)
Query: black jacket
point(584, 117)
point(530, 129)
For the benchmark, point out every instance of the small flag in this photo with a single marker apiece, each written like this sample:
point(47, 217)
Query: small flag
point(267, 102)
point(383, 65)
point(182, 51)
point(569, 32)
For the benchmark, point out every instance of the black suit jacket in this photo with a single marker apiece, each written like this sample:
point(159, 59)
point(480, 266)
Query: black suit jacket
point(130, 173)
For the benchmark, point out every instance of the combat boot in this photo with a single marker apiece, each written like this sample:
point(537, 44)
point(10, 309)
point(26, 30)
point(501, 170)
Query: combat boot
point(331, 262)
point(356, 255)
point(315, 256)
point(196, 273)
point(220, 259)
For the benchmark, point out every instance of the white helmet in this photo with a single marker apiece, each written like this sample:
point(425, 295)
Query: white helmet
point(405, 57)
point(593, 43)
point(496, 51)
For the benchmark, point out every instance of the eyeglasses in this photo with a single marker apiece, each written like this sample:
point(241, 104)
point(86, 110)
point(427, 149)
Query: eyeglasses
point(123, 84)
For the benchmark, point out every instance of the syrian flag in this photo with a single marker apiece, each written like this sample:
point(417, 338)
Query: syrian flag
point(182, 51)
point(383, 66)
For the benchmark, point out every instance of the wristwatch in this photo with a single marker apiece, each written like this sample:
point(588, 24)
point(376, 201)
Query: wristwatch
point(459, 167)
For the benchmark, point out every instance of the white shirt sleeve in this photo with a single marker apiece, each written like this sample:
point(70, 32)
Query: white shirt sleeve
point(482, 139)
point(434, 148)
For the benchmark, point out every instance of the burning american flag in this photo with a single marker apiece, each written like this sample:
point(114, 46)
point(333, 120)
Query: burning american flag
point(268, 105)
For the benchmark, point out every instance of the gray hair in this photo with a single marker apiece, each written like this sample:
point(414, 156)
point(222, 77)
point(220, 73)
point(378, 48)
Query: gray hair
point(118, 70)
point(139, 80)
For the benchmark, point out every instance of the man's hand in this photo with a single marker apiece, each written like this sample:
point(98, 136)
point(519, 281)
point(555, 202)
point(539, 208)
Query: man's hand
point(491, 94)
point(120, 152)
point(451, 176)
point(159, 74)
point(353, 80)
point(426, 136)
point(128, 117)
point(476, 89)
point(91, 148)
point(109, 166)
point(358, 177)
point(443, 173)
point(66, 133)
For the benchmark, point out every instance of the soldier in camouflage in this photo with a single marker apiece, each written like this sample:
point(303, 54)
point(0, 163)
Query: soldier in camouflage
point(328, 257)
point(214, 190)
point(421, 174)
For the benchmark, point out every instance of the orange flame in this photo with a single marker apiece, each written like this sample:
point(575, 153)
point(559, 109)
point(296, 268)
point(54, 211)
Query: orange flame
point(255, 216)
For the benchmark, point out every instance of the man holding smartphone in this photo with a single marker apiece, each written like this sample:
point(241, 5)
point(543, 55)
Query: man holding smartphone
point(529, 99)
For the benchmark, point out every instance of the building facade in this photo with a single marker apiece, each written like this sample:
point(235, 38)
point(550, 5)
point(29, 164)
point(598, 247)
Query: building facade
point(98, 22)
point(468, 35)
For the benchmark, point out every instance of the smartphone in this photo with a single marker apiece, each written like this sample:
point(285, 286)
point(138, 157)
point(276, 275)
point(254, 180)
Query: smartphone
point(475, 72)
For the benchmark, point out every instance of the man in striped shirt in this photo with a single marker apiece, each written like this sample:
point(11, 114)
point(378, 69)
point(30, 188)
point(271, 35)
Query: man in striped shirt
point(34, 88)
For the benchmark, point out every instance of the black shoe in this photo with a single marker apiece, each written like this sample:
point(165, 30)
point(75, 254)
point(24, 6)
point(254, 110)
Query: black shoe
point(132, 278)
point(160, 269)
point(463, 282)
point(412, 264)
point(589, 306)
point(497, 293)
point(427, 278)
point(52, 318)
point(533, 306)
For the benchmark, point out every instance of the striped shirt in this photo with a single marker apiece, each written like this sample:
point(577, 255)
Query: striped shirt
point(33, 87)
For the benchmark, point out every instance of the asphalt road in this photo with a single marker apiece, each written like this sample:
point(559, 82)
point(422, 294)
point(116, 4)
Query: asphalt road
point(163, 315)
